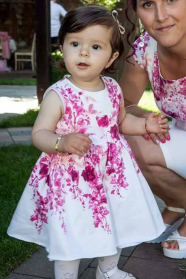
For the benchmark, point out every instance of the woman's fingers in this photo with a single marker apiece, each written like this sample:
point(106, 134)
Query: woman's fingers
point(157, 138)
point(154, 138)
point(167, 136)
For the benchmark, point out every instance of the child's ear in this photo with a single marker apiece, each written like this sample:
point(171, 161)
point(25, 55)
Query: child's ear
point(113, 57)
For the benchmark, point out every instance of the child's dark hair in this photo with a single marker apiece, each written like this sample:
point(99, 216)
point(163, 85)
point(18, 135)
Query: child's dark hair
point(78, 19)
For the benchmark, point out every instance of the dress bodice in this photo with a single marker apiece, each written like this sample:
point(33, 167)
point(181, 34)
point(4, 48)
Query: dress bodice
point(93, 113)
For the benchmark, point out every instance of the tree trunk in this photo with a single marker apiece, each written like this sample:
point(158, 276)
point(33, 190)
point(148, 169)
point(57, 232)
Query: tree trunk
point(42, 46)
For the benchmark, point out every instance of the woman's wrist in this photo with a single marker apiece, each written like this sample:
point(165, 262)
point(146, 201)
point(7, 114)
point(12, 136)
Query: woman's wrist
point(134, 109)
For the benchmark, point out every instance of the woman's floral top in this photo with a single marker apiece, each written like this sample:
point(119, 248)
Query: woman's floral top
point(170, 95)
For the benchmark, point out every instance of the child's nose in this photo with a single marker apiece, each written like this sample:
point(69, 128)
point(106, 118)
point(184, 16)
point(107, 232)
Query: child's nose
point(84, 52)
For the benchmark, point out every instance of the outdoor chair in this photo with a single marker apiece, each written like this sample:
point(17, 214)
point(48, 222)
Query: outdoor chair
point(26, 55)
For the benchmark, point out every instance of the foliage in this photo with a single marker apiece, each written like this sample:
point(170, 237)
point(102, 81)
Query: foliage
point(56, 74)
point(22, 120)
point(110, 4)
point(16, 164)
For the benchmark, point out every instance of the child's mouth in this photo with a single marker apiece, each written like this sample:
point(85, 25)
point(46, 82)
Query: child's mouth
point(82, 65)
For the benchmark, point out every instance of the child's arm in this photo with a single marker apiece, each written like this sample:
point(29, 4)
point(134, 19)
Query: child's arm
point(132, 125)
point(43, 133)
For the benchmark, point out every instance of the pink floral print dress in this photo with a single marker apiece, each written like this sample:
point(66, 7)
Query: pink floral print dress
point(170, 97)
point(85, 207)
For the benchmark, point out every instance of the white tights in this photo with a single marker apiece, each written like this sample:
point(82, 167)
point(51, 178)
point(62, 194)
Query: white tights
point(69, 269)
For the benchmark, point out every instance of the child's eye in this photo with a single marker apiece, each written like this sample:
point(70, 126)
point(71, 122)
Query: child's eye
point(96, 47)
point(74, 44)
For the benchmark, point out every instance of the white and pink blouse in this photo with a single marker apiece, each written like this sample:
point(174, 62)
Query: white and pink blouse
point(170, 95)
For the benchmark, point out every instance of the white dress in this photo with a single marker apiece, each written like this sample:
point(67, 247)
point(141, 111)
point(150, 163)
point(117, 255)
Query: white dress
point(170, 97)
point(86, 207)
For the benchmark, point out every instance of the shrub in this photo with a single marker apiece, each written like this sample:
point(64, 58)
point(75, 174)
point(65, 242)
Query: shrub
point(56, 74)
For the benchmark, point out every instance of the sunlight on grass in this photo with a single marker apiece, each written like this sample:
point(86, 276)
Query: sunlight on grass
point(147, 102)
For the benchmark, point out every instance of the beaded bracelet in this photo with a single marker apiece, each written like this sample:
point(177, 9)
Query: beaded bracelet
point(146, 127)
point(57, 143)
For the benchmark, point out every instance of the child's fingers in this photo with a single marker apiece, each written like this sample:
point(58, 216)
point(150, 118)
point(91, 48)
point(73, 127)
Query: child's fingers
point(85, 148)
point(163, 131)
point(162, 115)
point(163, 121)
point(85, 137)
point(154, 114)
point(164, 126)
point(76, 151)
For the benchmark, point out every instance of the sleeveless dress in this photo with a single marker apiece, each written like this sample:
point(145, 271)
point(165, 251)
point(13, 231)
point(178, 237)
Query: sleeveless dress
point(170, 97)
point(86, 207)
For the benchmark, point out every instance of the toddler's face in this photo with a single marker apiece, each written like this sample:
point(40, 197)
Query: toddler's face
point(88, 52)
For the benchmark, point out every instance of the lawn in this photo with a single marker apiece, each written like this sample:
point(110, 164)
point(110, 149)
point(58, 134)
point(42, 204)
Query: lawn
point(16, 164)
point(17, 81)
point(22, 120)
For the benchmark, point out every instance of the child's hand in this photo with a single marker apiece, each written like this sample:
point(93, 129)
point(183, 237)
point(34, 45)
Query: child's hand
point(157, 123)
point(75, 143)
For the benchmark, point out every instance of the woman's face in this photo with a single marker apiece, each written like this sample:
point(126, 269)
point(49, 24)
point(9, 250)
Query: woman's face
point(164, 20)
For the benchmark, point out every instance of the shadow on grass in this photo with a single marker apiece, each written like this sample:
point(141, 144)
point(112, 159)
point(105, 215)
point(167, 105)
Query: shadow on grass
point(21, 120)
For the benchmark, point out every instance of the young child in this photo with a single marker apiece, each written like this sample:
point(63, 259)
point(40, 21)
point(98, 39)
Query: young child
point(86, 196)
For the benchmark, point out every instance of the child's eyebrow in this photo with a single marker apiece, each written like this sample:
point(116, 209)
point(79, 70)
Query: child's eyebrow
point(94, 40)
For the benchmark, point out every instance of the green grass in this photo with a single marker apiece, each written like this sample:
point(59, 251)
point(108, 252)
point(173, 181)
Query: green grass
point(147, 102)
point(16, 163)
point(22, 120)
point(17, 81)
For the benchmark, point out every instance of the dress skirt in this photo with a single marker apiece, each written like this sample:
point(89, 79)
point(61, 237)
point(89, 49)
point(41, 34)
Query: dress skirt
point(79, 227)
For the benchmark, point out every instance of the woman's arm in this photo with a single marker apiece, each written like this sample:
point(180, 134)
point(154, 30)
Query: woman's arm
point(133, 82)
point(132, 125)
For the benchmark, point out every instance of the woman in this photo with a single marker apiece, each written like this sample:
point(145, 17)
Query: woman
point(159, 56)
point(56, 11)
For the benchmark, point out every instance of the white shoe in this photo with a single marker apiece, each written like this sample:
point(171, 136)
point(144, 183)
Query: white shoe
point(168, 231)
point(181, 252)
point(169, 228)
point(109, 274)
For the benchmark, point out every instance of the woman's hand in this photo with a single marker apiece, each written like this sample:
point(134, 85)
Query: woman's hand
point(157, 138)
point(157, 123)
point(75, 143)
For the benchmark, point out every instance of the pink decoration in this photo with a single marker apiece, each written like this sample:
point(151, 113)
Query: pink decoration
point(5, 45)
